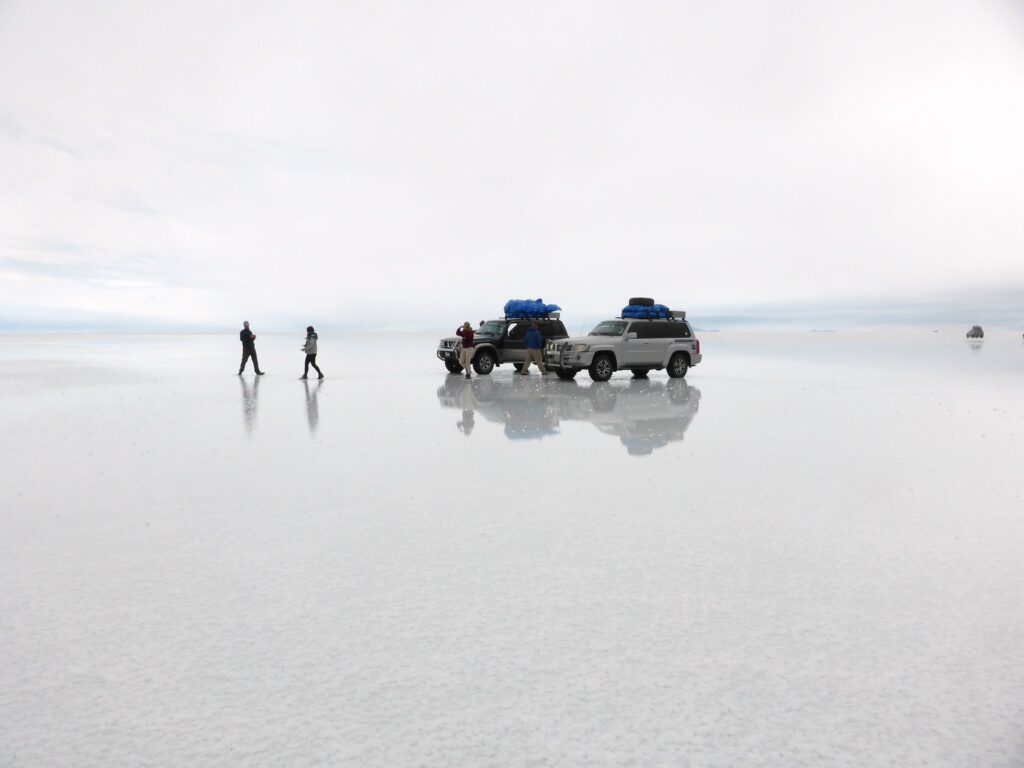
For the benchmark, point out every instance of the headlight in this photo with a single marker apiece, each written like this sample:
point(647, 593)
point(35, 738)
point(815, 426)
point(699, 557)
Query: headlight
point(581, 347)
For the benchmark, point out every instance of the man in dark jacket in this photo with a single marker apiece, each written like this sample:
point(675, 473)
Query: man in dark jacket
point(248, 339)
point(534, 345)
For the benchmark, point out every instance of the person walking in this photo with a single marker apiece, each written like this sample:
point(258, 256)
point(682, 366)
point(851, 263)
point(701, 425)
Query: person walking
point(534, 345)
point(248, 339)
point(310, 349)
point(468, 340)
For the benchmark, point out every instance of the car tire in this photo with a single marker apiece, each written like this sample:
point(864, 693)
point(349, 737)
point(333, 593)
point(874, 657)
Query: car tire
point(566, 375)
point(602, 368)
point(452, 366)
point(678, 365)
point(640, 373)
point(640, 301)
point(484, 362)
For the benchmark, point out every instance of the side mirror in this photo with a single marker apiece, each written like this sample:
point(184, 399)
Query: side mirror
point(631, 335)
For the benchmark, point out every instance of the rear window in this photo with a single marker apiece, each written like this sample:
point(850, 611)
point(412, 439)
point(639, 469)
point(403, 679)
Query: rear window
point(555, 330)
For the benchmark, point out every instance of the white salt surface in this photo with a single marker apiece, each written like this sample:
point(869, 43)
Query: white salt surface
point(807, 554)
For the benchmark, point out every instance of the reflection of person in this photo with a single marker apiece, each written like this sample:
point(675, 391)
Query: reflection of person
point(468, 403)
point(310, 349)
point(312, 406)
point(248, 339)
point(466, 355)
point(534, 345)
point(249, 394)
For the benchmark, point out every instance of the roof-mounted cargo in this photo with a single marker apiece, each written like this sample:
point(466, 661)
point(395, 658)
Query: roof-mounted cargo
point(530, 309)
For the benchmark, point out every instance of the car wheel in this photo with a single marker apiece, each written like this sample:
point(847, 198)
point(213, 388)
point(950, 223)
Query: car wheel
point(640, 301)
point(602, 368)
point(678, 365)
point(452, 366)
point(483, 362)
point(566, 375)
point(640, 373)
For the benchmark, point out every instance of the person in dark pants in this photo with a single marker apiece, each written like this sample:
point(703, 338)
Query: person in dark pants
point(248, 349)
point(534, 353)
point(310, 349)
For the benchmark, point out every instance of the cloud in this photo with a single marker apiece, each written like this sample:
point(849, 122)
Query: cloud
point(339, 161)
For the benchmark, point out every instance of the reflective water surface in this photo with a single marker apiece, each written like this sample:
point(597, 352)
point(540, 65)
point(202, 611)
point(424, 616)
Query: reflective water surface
point(808, 552)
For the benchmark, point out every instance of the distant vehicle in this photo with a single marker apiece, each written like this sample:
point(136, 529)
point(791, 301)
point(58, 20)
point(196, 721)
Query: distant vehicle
point(627, 344)
point(975, 332)
point(499, 341)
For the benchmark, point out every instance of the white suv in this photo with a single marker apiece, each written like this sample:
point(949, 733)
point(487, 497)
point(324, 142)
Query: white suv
point(627, 344)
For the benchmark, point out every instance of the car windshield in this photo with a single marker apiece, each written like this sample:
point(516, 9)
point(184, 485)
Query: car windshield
point(609, 328)
point(491, 328)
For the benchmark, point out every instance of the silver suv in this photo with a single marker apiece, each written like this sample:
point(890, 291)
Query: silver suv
point(621, 344)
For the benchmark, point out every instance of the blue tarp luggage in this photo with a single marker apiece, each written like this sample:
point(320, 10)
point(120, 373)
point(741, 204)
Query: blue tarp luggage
point(638, 312)
point(529, 308)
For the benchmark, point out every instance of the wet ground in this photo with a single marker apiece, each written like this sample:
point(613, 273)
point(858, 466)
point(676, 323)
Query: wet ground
point(808, 552)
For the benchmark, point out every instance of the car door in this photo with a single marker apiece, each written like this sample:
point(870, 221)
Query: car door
point(515, 341)
point(662, 337)
point(634, 350)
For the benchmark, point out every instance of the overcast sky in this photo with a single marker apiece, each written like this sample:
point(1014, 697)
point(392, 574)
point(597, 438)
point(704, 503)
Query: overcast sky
point(197, 163)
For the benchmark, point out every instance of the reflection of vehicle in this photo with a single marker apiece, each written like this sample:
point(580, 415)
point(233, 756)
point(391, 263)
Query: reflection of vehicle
point(499, 341)
point(976, 332)
point(644, 415)
point(627, 344)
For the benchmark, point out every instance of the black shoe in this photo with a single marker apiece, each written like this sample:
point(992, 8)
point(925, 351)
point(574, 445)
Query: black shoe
point(239, 373)
point(468, 376)
point(260, 373)
point(303, 377)
point(320, 376)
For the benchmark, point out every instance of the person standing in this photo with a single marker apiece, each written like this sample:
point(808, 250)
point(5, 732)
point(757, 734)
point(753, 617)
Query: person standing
point(534, 347)
point(248, 339)
point(468, 340)
point(310, 349)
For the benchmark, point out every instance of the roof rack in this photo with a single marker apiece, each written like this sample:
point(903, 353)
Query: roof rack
point(548, 316)
point(672, 315)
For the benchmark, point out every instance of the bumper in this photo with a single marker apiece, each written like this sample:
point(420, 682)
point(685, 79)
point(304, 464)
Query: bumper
point(567, 361)
point(694, 358)
point(447, 353)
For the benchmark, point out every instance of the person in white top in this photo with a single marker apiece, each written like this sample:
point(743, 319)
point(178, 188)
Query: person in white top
point(310, 349)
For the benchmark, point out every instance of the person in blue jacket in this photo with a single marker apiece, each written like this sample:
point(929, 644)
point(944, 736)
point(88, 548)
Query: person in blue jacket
point(534, 345)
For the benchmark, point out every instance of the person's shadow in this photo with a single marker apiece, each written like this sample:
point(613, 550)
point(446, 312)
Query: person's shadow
point(312, 405)
point(250, 389)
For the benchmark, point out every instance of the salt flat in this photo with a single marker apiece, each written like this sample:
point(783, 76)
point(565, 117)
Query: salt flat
point(806, 553)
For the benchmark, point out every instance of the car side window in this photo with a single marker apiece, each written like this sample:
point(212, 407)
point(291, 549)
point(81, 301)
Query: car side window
point(642, 330)
point(671, 330)
point(558, 328)
point(516, 331)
